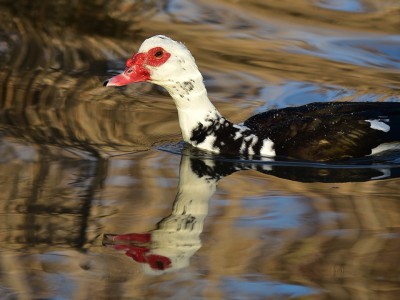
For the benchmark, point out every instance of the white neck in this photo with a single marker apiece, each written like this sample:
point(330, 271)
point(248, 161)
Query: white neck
point(202, 125)
point(191, 100)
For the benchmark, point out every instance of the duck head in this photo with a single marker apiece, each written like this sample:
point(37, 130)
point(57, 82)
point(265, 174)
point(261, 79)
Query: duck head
point(160, 60)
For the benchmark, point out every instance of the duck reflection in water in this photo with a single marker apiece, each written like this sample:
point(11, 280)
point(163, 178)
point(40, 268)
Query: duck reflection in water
point(176, 238)
point(171, 245)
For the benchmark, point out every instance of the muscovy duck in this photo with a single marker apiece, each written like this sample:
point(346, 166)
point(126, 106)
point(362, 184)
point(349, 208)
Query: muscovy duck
point(316, 131)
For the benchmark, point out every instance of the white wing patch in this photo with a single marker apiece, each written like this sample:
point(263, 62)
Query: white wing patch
point(379, 125)
point(267, 148)
point(385, 147)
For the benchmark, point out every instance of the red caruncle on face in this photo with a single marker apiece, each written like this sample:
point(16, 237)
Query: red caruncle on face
point(157, 56)
point(136, 65)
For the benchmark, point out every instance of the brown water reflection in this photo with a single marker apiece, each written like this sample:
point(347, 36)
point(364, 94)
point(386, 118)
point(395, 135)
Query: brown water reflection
point(259, 236)
point(283, 237)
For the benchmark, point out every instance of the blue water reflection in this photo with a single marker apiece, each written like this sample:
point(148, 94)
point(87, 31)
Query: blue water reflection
point(258, 288)
point(377, 51)
point(343, 5)
point(274, 212)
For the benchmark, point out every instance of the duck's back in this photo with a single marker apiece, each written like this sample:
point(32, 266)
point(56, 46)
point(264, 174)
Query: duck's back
point(330, 131)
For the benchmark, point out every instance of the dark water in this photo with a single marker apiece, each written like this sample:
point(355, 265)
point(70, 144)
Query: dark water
point(81, 163)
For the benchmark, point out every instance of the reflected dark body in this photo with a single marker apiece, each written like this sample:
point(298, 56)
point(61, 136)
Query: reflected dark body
point(328, 131)
point(353, 170)
point(299, 173)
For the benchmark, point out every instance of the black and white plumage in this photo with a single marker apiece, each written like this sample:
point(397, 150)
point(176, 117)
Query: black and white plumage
point(317, 131)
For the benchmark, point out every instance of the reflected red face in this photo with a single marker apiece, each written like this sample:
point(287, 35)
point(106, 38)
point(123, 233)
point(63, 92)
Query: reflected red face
point(140, 253)
point(136, 67)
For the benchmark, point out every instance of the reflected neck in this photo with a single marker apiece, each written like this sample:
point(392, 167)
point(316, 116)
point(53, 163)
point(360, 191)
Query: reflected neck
point(191, 203)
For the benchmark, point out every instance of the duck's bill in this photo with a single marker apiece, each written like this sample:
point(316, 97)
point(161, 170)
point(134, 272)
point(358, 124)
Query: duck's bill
point(133, 73)
point(118, 80)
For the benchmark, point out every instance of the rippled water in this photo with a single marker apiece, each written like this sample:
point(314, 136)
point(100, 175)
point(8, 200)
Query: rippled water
point(81, 164)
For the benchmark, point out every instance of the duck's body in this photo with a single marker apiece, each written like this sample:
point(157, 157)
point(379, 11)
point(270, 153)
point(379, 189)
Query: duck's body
point(317, 131)
point(330, 131)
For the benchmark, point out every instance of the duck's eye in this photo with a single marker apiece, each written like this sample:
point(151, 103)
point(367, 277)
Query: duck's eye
point(158, 54)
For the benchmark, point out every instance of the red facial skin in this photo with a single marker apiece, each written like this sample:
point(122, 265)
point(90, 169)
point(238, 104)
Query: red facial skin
point(136, 70)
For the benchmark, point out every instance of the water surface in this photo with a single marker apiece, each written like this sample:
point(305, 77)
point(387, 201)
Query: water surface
point(81, 163)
